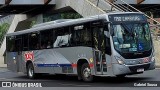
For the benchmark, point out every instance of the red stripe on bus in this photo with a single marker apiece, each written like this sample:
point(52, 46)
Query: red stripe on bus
point(74, 65)
point(90, 65)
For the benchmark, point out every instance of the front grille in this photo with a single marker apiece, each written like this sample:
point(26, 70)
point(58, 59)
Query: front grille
point(134, 68)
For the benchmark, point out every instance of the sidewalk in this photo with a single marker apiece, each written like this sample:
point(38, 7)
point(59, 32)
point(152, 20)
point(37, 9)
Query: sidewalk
point(3, 65)
point(3, 69)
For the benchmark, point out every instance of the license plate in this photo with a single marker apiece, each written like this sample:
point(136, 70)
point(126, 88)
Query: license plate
point(140, 70)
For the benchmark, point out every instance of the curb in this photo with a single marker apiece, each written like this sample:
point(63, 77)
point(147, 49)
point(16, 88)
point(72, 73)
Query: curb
point(3, 65)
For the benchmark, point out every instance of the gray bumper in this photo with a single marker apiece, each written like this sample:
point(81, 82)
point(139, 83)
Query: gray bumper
point(131, 69)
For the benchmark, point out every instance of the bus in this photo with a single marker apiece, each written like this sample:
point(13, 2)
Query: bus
point(112, 44)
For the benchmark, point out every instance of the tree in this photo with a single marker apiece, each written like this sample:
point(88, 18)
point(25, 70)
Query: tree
point(70, 16)
point(3, 29)
point(32, 24)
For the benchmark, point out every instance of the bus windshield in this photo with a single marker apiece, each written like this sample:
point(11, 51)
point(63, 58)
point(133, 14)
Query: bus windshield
point(132, 37)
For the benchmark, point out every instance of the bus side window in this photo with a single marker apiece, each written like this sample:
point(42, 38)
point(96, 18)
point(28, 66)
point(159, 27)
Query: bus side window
point(11, 44)
point(34, 41)
point(62, 37)
point(81, 35)
point(18, 43)
point(25, 42)
point(87, 39)
point(46, 39)
point(75, 38)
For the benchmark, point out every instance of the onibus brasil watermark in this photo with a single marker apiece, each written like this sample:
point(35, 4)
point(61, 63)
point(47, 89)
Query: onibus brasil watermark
point(21, 84)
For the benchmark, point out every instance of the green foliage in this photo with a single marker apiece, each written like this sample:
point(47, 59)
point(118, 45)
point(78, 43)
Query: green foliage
point(148, 13)
point(32, 23)
point(65, 15)
point(47, 19)
point(3, 29)
point(70, 16)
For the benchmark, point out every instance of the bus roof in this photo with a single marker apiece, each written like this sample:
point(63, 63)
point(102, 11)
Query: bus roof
point(51, 22)
point(67, 23)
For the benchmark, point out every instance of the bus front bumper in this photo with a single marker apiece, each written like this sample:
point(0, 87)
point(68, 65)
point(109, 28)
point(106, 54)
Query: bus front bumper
point(132, 69)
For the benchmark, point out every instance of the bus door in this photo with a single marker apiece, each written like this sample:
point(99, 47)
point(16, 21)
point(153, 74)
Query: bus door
point(99, 45)
point(18, 43)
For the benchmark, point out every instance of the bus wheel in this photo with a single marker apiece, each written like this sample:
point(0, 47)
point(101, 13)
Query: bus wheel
point(30, 71)
point(86, 73)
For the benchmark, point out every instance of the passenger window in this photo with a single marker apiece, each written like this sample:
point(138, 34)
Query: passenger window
point(34, 42)
point(62, 36)
point(46, 39)
point(18, 43)
point(25, 42)
point(81, 35)
point(11, 43)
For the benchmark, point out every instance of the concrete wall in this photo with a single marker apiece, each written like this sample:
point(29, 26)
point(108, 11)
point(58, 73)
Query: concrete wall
point(52, 2)
point(7, 19)
point(2, 1)
point(83, 7)
point(104, 5)
point(14, 23)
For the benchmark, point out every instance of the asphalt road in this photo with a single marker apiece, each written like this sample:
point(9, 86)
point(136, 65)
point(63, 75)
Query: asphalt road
point(62, 82)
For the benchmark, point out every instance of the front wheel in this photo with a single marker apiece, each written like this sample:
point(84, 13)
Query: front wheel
point(86, 73)
point(30, 71)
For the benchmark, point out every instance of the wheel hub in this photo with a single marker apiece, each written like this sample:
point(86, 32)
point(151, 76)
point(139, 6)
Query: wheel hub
point(30, 72)
point(86, 72)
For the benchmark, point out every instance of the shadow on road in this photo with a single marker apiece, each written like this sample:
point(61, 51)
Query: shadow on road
point(73, 79)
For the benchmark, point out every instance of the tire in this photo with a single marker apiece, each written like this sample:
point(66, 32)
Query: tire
point(86, 73)
point(30, 71)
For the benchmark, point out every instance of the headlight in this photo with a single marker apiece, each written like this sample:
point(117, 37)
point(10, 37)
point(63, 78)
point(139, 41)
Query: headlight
point(119, 60)
point(153, 59)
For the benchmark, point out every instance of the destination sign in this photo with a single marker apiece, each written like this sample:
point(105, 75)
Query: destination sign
point(126, 17)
